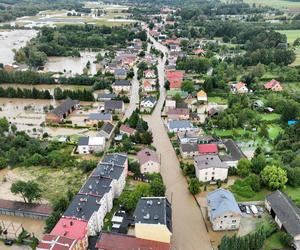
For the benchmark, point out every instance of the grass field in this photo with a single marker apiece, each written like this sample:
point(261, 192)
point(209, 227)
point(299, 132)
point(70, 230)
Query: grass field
point(274, 130)
point(293, 6)
point(270, 117)
point(273, 242)
point(217, 99)
point(259, 196)
point(294, 193)
point(297, 61)
point(228, 132)
point(292, 87)
point(291, 35)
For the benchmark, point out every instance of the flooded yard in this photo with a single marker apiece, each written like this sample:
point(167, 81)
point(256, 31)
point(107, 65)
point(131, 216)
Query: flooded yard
point(13, 39)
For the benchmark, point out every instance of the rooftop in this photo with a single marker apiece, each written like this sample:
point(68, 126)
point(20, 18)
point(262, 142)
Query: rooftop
point(209, 161)
point(113, 104)
point(189, 147)
point(154, 210)
point(208, 148)
point(126, 129)
point(53, 242)
point(116, 159)
point(235, 153)
point(64, 107)
point(221, 202)
point(107, 128)
point(96, 186)
point(180, 124)
point(100, 116)
point(109, 171)
point(122, 83)
point(146, 155)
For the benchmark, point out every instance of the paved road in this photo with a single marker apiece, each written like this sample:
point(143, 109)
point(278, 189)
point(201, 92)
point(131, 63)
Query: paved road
point(189, 230)
point(134, 96)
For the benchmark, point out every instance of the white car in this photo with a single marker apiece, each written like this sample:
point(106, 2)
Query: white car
point(248, 210)
point(254, 209)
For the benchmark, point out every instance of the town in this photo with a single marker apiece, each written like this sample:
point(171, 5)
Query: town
point(144, 124)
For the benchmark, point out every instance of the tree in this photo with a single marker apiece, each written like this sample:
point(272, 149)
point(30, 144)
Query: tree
point(194, 186)
point(30, 191)
point(293, 175)
point(243, 167)
point(188, 86)
point(157, 187)
point(274, 177)
point(258, 163)
point(291, 110)
point(286, 239)
point(3, 163)
point(263, 132)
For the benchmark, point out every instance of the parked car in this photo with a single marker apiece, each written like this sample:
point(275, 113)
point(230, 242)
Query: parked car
point(254, 209)
point(8, 242)
point(248, 210)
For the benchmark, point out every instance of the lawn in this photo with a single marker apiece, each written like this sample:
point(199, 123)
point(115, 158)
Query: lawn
point(273, 242)
point(294, 193)
point(297, 61)
point(259, 196)
point(217, 99)
point(291, 35)
point(274, 130)
point(291, 5)
point(270, 117)
point(228, 132)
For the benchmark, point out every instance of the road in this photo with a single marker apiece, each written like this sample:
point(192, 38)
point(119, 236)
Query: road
point(134, 96)
point(189, 230)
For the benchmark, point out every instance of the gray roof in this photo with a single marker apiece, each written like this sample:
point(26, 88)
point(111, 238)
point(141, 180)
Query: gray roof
point(179, 124)
point(107, 128)
point(189, 147)
point(113, 105)
point(109, 171)
point(221, 202)
point(154, 210)
point(286, 211)
point(235, 153)
point(100, 116)
point(104, 96)
point(209, 161)
point(149, 98)
point(97, 186)
point(116, 159)
point(83, 141)
point(120, 72)
point(64, 107)
point(122, 83)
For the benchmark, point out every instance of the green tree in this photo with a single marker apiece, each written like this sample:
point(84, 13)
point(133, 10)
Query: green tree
point(243, 167)
point(30, 191)
point(188, 86)
point(291, 110)
point(157, 187)
point(3, 162)
point(258, 163)
point(274, 177)
point(194, 186)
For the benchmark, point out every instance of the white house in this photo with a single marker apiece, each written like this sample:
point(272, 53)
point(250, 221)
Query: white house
point(240, 88)
point(181, 126)
point(122, 85)
point(202, 96)
point(87, 145)
point(148, 102)
point(149, 74)
point(209, 168)
point(170, 104)
point(223, 210)
point(149, 161)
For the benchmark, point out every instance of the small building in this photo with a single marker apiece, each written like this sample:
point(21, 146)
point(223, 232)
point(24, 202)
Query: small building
point(121, 85)
point(116, 106)
point(148, 102)
point(285, 213)
point(107, 130)
point(149, 161)
point(94, 118)
point(62, 111)
point(273, 85)
point(89, 145)
point(126, 130)
point(202, 96)
point(149, 74)
point(223, 210)
point(178, 114)
point(205, 149)
point(188, 137)
point(170, 104)
point(234, 153)
point(210, 168)
point(153, 219)
point(239, 88)
point(102, 97)
point(148, 85)
point(120, 74)
point(49, 242)
point(181, 126)
point(189, 150)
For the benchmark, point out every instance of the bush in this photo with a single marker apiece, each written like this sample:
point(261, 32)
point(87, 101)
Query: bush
point(286, 239)
point(242, 188)
point(194, 186)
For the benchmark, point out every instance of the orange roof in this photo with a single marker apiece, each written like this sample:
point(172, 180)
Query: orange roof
point(240, 85)
point(271, 84)
point(201, 93)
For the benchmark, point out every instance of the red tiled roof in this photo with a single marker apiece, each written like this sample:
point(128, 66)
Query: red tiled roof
point(240, 85)
point(208, 148)
point(146, 155)
point(199, 51)
point(109, 241)
point(271, 84)
point(127, 129)
point(178, 111)
point(175, 83)
point(71, 228)
point(53, 242)
point(171, 74)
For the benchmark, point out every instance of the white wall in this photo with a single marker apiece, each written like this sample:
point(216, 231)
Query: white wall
point(206, 175)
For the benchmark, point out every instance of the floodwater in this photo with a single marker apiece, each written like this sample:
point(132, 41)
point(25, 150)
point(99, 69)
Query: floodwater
point(72, 65)
point(189, 230)
point(134, 96)
point(13, 39)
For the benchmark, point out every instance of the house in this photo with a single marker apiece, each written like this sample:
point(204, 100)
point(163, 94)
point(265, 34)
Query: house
point(178, 114)
point(49, 242)
point(210, 168)
point(285, 213)
point(89, 145)
point(110, 241)
point(180, 126)
point(62, 111)
point(94, 118)
point(106, 97)
point(223, 210)
point(199, 52)
point(121, 85)
point(120, 74)
point(188, 150)
point(205, 149)
point(188, 137)
point(148, 85)
point(206, 139)
point(234, 153)
point(239, 88)
point(149, 74)
point(202, 96)
point(213, 112)
point(114, 106)
point(149, 161)
point(107, 130)
point(170, 104)
point(175, 78)
point(153, 219)
point(126, 130)
point(273, 85)
point(148, 102)
point(175, 48)
point(258, 104)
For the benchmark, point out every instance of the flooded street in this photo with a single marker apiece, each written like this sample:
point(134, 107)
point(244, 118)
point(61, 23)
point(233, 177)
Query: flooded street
point(13, 39)
point(189, 230)
point(134, 96)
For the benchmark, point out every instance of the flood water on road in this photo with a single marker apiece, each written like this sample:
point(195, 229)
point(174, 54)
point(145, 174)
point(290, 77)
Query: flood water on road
point(13, 39)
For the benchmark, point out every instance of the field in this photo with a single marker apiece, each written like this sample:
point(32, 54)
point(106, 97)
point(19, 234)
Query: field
point(297, 61)
point(274, 130)
point(290, 5)
point(292, 87)
point(273, 242)
point(291, 35)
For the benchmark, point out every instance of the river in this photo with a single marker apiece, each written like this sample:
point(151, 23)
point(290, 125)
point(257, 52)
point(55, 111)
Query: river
point(189, 230)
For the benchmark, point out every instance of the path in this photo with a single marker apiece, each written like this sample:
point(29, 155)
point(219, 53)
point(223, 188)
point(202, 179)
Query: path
point(189, 230)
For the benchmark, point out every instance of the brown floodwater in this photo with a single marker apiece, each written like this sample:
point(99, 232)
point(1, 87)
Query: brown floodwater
point(13, 39)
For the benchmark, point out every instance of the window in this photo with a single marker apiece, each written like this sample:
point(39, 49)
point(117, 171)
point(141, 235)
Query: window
point(233, 221)
point(233, 226)
point(213, 173)
point(206, 173)
point(221, 222)
point(205, 178)
point(225, 216)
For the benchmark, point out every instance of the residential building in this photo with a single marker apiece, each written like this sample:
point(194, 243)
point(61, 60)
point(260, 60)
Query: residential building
point(189, 150)
point(89, 145)
point(233, 153)
point(94, 118)
point(205, 149)
point(285, 213)
point(199, 52)
point(126, 130)
point(181, 126)
point(223, 210)
point(149, 74)
point(175, 78)
point(50, 242)
point(149, 161)
point(113, 241)
point(149, 85)
point(106, 97)
point(202, 96)
point(62, 111)
point(153, 219)
point(120, 74)
point(178, 114)
point(239, 88)
point(107, 130)
point(122, 85)
point(148, 102)
point(209, 168)
point(188, 137)
point(273, 85)
point(170, 104)
point(114, 106)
